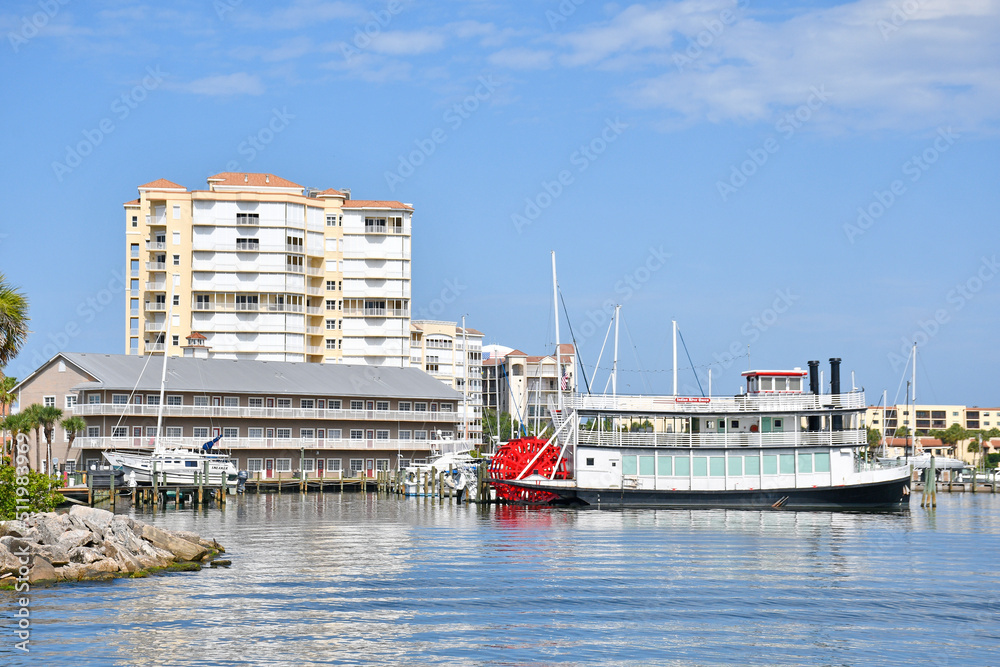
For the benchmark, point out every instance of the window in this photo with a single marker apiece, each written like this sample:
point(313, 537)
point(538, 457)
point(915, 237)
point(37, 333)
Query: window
point(735, 466)
point(420, 407)
point(174, 431)
point(751, 465)
point(231, 401)
point(404, 406)
point(119, 399)
point(307, 403)
point(200, 431)
point(331, 304)
point(284, 433)
point(231, 432)
point(335, 434)
point(357, 465)
point(135, 221)
point(307, 433)
point(664, 465)
point(375, 226)
point(331, 220)
point(382, 464)
point(420, 435)
point(786, 464)
point(152, 399)
point(446, 407)
point(119, 432)
point(175, 340)
point(177, 260)
point(735, 423)
point(682, 466)
point(70, 401)
point(201, 401)
point(646, 466)
point(357, 434)
point(331, 325)
point(805, 462)
point(381, 405)
point(333, 404)
point(382, 435)
point(255, 433)
point(333, 465)
point(49, 401)
point(247, 244)
point(255, 465)
point(283, 465)
point(331, 343)
point(357, 405)
point(404, 435)
point(284, 402)
point(331, 285)
point(255, 402)
point(699, 466)
point(93, 431)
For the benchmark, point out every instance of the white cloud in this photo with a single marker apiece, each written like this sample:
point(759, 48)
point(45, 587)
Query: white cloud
point(300, 14)
point(400, 43)
point(239, 83)
point(518, 58)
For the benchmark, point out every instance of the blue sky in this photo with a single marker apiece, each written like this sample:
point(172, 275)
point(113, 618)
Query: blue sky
point(809, 179)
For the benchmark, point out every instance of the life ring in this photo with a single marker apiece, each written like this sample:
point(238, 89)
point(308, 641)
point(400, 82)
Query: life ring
point(753, 428)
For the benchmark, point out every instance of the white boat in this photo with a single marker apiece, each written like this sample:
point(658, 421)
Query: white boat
point(923, 461)
point(174, 466)
point(459, 469)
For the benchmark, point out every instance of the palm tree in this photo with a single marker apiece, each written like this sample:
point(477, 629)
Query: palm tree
point(7, 398)
point(47, 417)
point(13, 321)
point(73, 426)
point(16, 424)
point(32, 421)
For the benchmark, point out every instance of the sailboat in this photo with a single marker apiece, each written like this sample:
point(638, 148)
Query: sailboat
point(173, 466)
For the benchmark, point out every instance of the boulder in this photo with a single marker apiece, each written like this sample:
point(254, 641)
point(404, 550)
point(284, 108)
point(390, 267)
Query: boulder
point(198, 539)
point(9, 563)
point(75, 538)
point(48, 528)
point(41, 570)
point(16, 544)
point(97, 520)
point(104, 565)
point(178, 546)
point(13, 528)
point(84, 555)
point(55, 554)
point(120, 554)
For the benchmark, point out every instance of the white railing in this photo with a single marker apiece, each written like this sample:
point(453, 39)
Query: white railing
point(274, 443)
point(315, 270)
point(853, 437)
point(155, 286)
point(156, 305)
point(244, 412)
point(152, 347)
point(376, 312)
point(156, 245)
point(718, 405)
point(155, 326)
point(156, 266)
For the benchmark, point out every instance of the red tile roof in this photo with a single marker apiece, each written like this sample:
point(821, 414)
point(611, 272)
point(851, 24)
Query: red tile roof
point(134, 202)
point(330, 192)
point(251, 180)
point(197, 336)
point(515, 353)
point(162, 184)
point(375, 203)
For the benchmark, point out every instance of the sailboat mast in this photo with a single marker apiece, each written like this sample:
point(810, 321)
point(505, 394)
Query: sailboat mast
point(163, 372)
point(555, 306)
point(614, 365)
point(675, 356)
point(465, 383)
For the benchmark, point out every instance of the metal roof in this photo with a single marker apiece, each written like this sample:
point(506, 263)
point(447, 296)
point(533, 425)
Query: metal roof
point(120, 371)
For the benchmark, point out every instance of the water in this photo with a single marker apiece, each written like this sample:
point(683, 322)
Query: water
point(360, 579)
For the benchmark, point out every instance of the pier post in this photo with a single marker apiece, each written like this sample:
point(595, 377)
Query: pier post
point(90, 489)
point(111, 486)
point(156, 491)
point(973, 480)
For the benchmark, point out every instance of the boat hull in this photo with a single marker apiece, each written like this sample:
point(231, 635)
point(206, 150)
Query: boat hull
point(174, 469)
point(884, 495)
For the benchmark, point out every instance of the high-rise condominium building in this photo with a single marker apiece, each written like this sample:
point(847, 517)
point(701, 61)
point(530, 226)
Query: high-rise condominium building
point(257, 267)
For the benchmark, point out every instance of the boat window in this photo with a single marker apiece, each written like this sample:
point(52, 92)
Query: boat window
point(777, 424)
point(665, 466)
point(646, 466)
point(629, 465)
point(795, 384)
point(699, 466)
point(786, 464)
point(751, 465)
point(765, 384)
point(682, 466)
point(590, 462)
point(805, 462)
point(717, 466)
point(736, 466)
point(770, 464)
point(735, 423)
point(821, 462)
point(191, 464)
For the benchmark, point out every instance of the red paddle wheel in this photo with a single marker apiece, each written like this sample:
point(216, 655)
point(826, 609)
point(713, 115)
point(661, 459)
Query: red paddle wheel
point(514, 458)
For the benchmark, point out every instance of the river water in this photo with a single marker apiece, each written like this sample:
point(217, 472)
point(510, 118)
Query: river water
point(375, 580)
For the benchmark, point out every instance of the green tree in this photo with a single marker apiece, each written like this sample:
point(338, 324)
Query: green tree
point(901, 432)
point(17, 424)
point(73, 426)
point(13, 321)
point(38, 494)
point(498, 430)
point(973, 448)
point(34, 422)
point(48, 417)
point(7, 398)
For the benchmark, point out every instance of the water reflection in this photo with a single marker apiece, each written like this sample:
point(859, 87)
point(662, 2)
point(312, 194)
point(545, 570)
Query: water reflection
point(360, 579)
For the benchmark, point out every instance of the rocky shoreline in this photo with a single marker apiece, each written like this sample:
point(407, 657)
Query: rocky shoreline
point(88, 543)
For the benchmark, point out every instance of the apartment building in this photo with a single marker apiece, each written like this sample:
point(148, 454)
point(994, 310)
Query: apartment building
point(525, 385)
point(257, 267)
point(453, 355)
point(925, 417)
point(275, 418)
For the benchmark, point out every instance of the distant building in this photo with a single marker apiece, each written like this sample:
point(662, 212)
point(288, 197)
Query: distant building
point(924, 418)
point(264, 269)
point(524, 385)
point(276, 418)
point(437, 347)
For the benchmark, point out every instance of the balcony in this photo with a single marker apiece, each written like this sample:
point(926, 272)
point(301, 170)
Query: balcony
point(247, 307)
point(156, 266)
point(155, 327)
point(158, 221)
point(294, 268)
point(294, 444)
point(376, 312)
point(156, 306)
point(156, 245)
point(246, 246)
point(244, 412)
point(154, 347)
point(295, 247)
point(158, 286)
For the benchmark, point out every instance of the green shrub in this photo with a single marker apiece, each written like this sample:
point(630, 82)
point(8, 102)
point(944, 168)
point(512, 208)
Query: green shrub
point(38, 494)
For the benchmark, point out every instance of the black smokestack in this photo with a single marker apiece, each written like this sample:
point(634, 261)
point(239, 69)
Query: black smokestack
point(838, 420)
point(813, 422)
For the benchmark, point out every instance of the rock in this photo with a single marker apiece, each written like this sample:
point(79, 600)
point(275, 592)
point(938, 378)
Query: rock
point(84, 555)
point(75, 538)
point(104, 565)
point(55, 554)
point(16, 544)
point(9, 563)
point(48, 528)
point(178, 546)
point(96, 519)
point(41, 570)
point(198, 539)
point(120, 554)
point(221, 563)
point(12, 528)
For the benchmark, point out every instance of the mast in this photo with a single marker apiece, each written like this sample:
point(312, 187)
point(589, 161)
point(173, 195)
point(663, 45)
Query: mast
point(675, 356)
point(163, 372)
point(913, 396)
point(465, 384)
point(710, 382)
point(555, 306)
point(614, 364)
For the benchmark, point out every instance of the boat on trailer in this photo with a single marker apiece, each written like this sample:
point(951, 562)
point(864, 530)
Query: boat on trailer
point(777, 445)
